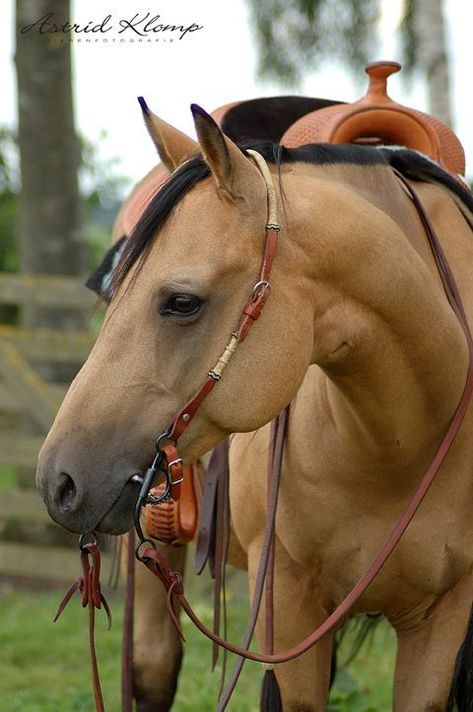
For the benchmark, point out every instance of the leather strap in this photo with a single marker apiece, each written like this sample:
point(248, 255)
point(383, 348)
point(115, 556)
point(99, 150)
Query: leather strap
point(89, 586)
point(251, 312)
point(206, 536)
point(275, 455)
point(127, 643)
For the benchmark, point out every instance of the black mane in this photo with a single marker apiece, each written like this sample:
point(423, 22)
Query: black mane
point(411, 164)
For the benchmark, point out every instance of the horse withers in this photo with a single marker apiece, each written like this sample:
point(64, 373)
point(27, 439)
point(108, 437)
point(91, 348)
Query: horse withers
point(357, 332)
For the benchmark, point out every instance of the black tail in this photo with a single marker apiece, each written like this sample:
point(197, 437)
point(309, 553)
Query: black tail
point(361, 629)
point(461, 693)
point(270, 700)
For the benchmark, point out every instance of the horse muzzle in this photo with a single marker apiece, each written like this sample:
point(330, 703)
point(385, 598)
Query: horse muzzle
point(101, 505)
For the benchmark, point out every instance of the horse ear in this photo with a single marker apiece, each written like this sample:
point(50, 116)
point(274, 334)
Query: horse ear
point(173, 146)
point(233, 172)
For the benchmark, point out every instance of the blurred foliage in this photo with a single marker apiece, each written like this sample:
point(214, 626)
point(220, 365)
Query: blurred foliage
point(9, 214)
point(293, 37)
point(101, 183)
point(9, 187)
point(101, 186)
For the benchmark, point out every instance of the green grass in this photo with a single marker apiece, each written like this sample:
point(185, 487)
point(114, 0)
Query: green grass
point(44, 667)
point(8, 477)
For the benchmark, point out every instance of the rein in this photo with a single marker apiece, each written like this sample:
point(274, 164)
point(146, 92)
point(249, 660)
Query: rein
point(92, 598)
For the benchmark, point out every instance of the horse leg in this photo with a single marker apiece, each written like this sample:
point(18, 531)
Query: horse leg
point(157, 650)
point(304, 682)
point(427, 651)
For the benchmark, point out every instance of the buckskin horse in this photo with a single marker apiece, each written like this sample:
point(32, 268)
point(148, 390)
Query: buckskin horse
point(357, 335)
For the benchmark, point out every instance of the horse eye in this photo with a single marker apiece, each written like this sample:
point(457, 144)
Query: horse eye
point(182, 305)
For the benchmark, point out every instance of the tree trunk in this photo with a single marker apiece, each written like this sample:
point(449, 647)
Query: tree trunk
point(50, 239)
point(50, 221)
point(433, 56)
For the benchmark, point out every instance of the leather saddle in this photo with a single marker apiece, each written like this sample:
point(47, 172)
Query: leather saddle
point(375, 119)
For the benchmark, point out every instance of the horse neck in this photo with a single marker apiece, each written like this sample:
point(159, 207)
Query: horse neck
point(384, 333)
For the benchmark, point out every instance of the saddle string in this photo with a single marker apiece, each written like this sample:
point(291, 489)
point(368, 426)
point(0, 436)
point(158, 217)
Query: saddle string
point(220, 589)
point(270, 696)
point(157, 564)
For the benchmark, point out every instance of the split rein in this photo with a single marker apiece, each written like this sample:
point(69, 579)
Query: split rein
point(168, 461)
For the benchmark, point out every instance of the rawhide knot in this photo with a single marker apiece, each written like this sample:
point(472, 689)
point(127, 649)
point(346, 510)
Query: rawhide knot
point(88, 584)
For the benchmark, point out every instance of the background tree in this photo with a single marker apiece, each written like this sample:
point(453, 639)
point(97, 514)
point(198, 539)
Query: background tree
point(294, 36)
point(49, 226)
point(424, 41)
point(50, 236)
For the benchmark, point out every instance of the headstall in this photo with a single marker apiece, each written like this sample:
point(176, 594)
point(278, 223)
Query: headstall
point(167, 460)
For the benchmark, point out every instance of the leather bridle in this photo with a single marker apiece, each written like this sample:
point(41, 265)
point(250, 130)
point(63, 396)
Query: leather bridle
point(167, 460)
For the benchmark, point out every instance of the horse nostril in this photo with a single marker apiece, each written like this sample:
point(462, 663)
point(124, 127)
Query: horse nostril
point(67, 493)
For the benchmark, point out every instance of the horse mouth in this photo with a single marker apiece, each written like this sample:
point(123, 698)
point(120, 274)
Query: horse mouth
point(119, 518)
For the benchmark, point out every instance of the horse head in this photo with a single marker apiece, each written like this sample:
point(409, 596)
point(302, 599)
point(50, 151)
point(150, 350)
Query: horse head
point(180, 288)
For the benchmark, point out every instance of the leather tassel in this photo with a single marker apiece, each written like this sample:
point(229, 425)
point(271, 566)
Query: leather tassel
point(270, 700)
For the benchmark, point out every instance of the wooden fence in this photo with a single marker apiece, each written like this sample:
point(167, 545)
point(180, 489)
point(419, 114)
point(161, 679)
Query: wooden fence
point(24, 392)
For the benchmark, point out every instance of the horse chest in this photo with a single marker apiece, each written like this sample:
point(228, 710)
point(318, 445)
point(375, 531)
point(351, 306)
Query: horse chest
point(336, 536)
point(334, 531)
